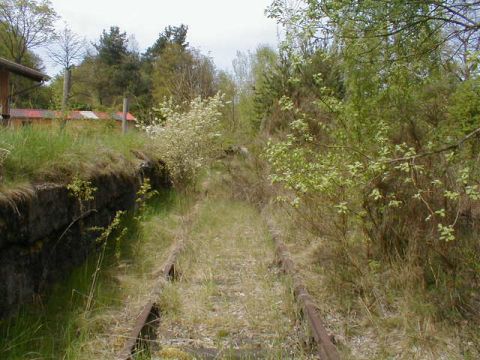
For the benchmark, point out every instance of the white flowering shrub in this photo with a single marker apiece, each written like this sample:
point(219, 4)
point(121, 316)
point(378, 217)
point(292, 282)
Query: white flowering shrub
point(187, 139)
point(4, 153)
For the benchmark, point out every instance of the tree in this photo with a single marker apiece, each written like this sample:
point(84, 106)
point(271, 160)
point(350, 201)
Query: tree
point(69, 49)
point(171, 35)
point(108, 72)
point(112, 46)
point(117, 70)
point(183, 75)
point(449, 25)
point(25, 25)
point(38, 97)
point(250, 74)
point(392, 145)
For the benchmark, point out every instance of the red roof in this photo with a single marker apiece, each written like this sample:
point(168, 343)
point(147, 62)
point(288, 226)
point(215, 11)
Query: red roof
point(71, 115)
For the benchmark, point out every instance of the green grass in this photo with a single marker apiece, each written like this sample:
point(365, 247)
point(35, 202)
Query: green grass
point(44, 153)
point(59, 327)
point(50, 330)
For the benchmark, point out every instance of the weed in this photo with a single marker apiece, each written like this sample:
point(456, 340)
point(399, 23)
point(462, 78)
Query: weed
point(103, 240)
point(170, 301)
point(82, 190)
point(144, 195)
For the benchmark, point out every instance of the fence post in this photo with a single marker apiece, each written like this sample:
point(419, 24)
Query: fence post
point(125, 114)
point(4, 96)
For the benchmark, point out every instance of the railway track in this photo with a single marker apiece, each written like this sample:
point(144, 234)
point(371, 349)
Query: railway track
point(148, 321)
point(325, 348)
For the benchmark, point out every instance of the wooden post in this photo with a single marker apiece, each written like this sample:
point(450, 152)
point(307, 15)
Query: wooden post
point(125, 114)
point(4, 95)
point(67, 76)
point(233, 113)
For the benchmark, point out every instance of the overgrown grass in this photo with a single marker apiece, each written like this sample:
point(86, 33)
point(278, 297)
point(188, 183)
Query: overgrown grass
point(375, 311)
point(47, 153)
point(229, 299)
point(60, 327)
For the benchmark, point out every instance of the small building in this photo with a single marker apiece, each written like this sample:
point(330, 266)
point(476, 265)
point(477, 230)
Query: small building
point(7, 68)
point(22, 117)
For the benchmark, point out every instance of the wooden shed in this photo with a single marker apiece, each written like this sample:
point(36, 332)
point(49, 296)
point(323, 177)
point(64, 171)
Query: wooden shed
point(8, 67)
point(22, 117)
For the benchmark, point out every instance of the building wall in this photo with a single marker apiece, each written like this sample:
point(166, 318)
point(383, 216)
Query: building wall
point(104, 124)
point(15, 122)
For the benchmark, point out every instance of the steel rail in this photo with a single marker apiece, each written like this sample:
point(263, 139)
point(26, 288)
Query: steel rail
point(150, 312)
point(325, 348)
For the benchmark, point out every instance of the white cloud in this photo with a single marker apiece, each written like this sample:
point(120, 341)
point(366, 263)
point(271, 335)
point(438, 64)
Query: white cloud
point(216, 27)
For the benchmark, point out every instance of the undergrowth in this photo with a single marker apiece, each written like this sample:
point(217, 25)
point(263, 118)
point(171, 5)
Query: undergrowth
point(376, 310)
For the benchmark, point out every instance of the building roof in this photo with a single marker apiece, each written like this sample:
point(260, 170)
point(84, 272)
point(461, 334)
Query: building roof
point(71, 115)
point(22, 70)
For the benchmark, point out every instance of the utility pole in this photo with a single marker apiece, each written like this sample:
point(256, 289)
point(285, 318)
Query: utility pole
point(125, 114)
point(233, 112)
point(234, 96)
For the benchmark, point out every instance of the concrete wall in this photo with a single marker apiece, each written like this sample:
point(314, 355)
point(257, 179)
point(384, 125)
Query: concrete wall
point(33, 252)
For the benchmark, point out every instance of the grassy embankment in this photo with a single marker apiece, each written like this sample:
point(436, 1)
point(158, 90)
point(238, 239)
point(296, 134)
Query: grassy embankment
point(58, 326)
point(38, 154)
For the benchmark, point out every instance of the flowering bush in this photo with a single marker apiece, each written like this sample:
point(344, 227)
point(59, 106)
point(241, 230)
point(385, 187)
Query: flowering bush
point(3, 155)
point(4, 152)
point(187, 139)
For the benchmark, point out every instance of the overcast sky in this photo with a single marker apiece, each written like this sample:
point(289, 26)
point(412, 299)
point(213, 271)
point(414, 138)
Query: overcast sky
point(216, 27)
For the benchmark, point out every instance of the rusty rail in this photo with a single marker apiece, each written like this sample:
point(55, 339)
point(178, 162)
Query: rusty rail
point(326, 349)
point(150, 313)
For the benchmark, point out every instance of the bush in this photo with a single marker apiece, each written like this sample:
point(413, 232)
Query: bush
point(187, 139)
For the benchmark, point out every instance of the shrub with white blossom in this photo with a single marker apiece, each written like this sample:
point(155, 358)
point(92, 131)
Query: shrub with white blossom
point(187, 139)
point(4, 152)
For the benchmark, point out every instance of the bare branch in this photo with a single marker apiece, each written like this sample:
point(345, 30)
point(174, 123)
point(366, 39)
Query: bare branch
point(438, 151)
point(26, 24)
point(68, 49)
